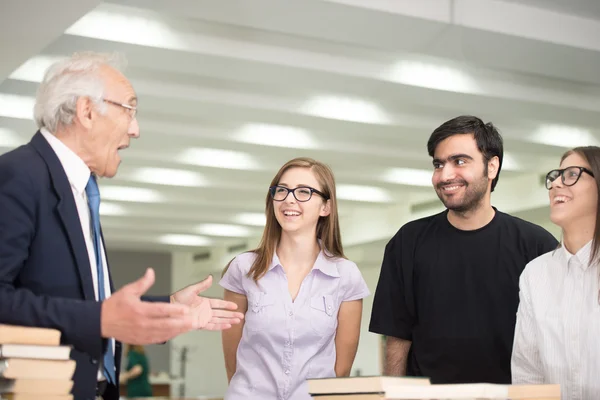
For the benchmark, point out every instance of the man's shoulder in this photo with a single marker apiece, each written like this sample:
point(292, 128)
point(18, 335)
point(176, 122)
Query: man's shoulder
point(523, 226)
point(23, 159)
point(417, 228)
point(421, 224)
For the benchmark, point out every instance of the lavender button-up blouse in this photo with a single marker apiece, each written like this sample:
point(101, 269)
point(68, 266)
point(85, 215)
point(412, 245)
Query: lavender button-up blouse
point(283, 342)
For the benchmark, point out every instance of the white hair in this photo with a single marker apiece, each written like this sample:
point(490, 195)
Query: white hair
point(68, 80)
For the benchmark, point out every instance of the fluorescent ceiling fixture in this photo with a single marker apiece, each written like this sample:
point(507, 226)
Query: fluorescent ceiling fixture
point(564, 136)
point(125, 27)
point(166, 176)
point(33, 70)
point(223, 230)
point(510, 163)
point(417, 73)
point(112, 209)
point(276, 135)
point(9, 138)
point(347, 109)
point(134, 194)
point(218, 158)
point(13, 106)
point(184, 240)
point(254, 219)
point(362, 193)
point(408, 176)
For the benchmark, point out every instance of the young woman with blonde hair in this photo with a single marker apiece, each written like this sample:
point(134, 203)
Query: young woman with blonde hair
point(301, 296)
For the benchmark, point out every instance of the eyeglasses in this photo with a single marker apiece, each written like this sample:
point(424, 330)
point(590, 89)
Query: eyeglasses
point(569, 176)
point(131, 109)
point(302, 193)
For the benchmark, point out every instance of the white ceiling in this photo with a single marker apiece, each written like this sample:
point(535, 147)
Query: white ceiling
point(230, 90)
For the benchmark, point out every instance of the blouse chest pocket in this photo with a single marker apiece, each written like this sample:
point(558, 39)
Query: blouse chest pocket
point(260, 310)
point(323, 313)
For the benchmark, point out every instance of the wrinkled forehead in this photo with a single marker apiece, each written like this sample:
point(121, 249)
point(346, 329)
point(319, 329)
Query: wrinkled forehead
point(117, 86)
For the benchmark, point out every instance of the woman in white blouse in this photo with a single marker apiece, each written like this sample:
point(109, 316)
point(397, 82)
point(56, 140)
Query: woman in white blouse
point(557, 337)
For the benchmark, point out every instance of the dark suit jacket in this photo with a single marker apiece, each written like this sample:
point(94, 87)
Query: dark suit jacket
point(45, 274)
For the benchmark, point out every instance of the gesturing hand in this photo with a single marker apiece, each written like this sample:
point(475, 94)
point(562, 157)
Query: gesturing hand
point(211, 314)
point(128, 319)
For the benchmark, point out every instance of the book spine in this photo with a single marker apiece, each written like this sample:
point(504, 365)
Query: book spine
point(3, 366)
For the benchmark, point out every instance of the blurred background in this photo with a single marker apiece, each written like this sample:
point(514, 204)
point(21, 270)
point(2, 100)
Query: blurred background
point(230, 90)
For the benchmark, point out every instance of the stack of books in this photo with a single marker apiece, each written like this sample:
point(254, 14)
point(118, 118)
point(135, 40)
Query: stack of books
point(392, 388)
point(33, 364)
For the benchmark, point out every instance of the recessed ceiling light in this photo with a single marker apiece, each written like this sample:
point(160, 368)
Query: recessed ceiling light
point(347, 109)
point(108, 208)
point(13, 106)
point(431, 75)
point(133, 194)
point(184, 240)
point(218, 158)
point(408, 176)
point(223, 230)
point(126, 26)
point(33, 70)
point(167, 176)
point(276, 135)
point(362, 193)
point(254, 219)
point(564, 136)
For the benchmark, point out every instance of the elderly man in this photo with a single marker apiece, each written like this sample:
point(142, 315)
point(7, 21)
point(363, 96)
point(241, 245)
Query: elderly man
point(53, 267)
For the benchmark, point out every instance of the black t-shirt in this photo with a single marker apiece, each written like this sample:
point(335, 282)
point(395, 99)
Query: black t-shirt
point(455, 294)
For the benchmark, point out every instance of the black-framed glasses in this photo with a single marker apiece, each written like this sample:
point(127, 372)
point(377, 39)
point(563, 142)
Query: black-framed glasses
point(131, 109)
point(301, 193)
point(569, 176)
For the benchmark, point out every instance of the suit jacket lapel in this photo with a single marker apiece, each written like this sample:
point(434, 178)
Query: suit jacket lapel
point(67, 211)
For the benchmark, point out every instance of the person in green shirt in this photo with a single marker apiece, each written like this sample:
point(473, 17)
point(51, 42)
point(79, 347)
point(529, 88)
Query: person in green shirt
point(137, 373)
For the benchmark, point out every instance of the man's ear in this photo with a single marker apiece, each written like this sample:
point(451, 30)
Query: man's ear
point(85, 112)
point(325, 209)
point(493, 167)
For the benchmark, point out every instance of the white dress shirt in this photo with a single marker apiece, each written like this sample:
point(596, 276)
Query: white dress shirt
point(78, 175)
point(557, 336)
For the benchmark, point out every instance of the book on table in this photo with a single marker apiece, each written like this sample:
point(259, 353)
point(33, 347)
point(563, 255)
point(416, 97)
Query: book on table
point(411, 388)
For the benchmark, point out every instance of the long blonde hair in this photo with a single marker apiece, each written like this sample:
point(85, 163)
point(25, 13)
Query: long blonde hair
point(328, 228)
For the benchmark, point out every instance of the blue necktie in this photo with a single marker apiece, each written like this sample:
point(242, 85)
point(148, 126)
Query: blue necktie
point(93, 194)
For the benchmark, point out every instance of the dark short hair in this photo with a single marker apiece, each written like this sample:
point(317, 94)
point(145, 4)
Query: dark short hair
point(487, 137)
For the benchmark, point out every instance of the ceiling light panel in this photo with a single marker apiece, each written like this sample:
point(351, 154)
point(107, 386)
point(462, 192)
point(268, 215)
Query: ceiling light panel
point(130, 194)
point(363, 193)
point(185, 240)
point(346, 109)
point(218, 158)
point(223, 230)
point(167, 176)
point(276, 135)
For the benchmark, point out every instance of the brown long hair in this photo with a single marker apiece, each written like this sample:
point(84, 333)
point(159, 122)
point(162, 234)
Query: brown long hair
point(328, 228)
point(591, 154)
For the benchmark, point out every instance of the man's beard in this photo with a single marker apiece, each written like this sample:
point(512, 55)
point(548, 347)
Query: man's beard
point(471, 199)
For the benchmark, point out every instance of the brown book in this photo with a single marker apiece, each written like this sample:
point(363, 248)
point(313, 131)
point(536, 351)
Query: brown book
point(22, 368)
point(35, 351)
point(12, 334)
point(360, 384)
point(36, 386)
point(12, 396)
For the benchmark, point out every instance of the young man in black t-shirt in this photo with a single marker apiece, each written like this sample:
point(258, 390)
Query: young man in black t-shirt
point(448, 290)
